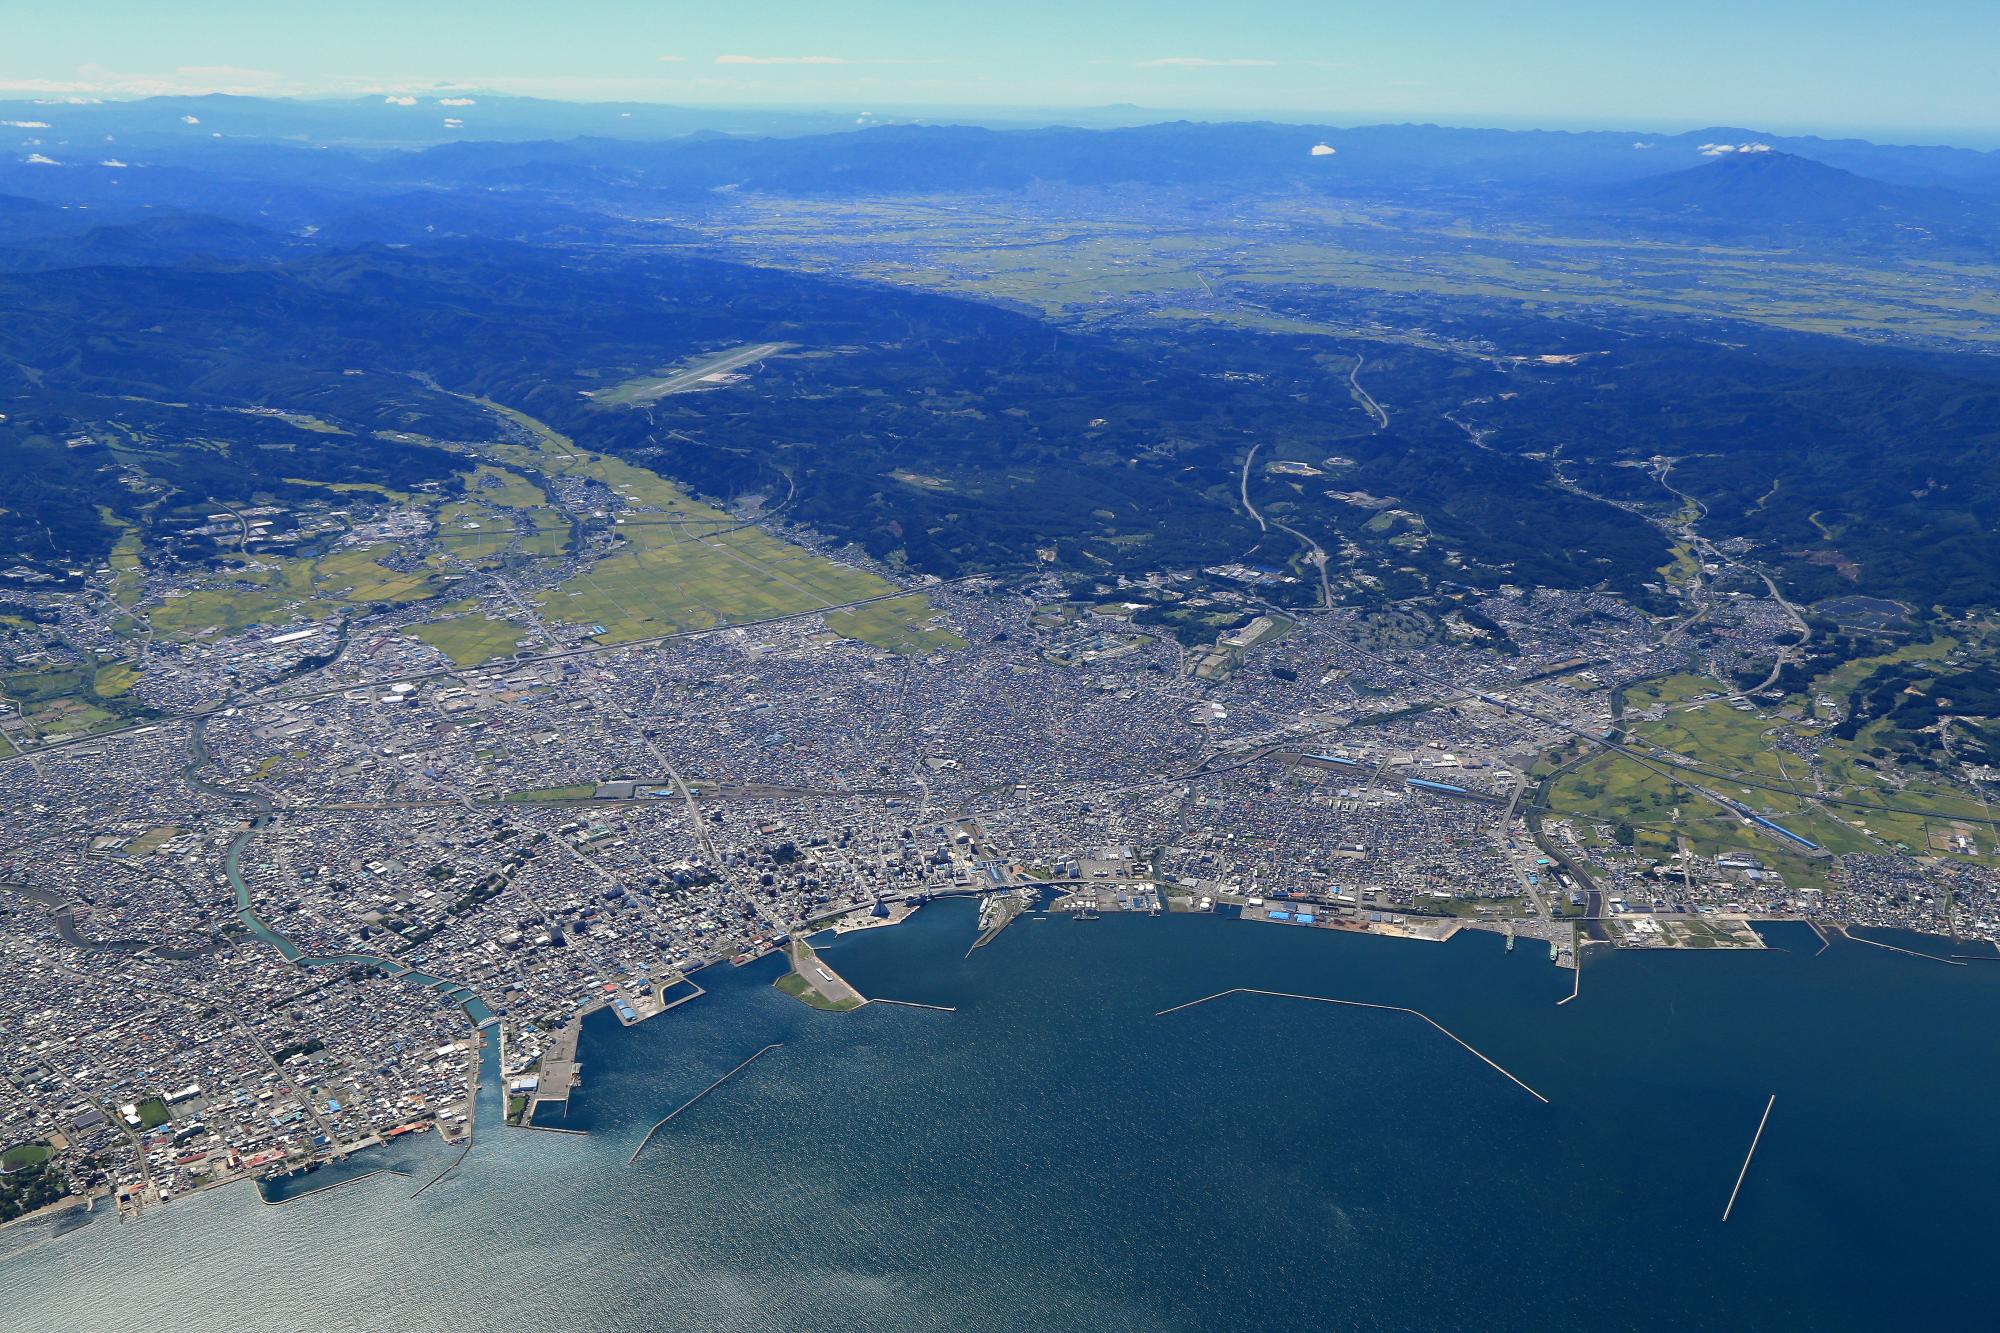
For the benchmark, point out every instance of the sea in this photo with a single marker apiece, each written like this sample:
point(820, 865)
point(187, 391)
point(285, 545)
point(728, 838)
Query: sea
point(1050, 1151)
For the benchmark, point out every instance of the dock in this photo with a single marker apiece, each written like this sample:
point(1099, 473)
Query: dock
point(1363, 1004)
point(560, 1072)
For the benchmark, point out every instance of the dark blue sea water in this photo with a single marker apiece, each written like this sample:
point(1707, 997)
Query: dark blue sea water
point(1053, 1155)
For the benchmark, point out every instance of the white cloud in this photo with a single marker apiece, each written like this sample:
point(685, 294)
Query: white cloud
point(111, 162)
point(455, 101)
point(1204, 62)
point(1322, 150)
point(37, 159)
point(1642, 145)
point(674, 60)
point(233, 76)
point(453, 123)
point(25, 124)
point(393, 100)
point(190, 120)
point(93, 80)
point(1724, 149)
point(780, 60)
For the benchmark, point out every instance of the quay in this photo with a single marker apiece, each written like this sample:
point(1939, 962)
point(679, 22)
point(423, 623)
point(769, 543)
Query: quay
point(338, 1184)
point(1361, 1004)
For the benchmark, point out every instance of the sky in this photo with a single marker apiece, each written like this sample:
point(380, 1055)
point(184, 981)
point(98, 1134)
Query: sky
point(1824, 65)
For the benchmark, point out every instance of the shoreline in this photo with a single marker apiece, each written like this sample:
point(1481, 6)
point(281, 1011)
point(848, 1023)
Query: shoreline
point(463, 1140)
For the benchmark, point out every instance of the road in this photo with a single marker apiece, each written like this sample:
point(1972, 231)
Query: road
point(1315, 554)
point(1362, 396)
point(1244, 485)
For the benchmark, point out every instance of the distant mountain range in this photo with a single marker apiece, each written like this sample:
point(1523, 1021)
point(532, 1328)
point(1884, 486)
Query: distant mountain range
point(313, 175)
point(1774, 194)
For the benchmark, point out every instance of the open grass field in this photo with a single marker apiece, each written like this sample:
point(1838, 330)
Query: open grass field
point(581, 791)
point(151, 840)
point(128, 578)
point(274, 588)
point(676, 564)
point(1841, 681)
point(114, 679)
point(474, 533)
point(897, 625)
point(497, 486)
point(357, 487)
point(681, 564)
point(1663, 812)
point(468, 636)
point(1088, 265)
point(662, 579)
point(24, 1155)
point(799, 989)
point(65, 701)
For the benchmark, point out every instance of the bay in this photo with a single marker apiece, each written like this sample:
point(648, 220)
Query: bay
point(1056, 1154)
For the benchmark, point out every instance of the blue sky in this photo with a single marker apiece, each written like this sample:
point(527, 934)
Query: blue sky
point(1779, 64)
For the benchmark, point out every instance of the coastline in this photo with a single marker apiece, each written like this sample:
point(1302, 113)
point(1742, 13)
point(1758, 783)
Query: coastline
point(463, 1138)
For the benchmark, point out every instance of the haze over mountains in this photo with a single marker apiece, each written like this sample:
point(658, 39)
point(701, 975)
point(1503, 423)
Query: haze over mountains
point(1083, 277)
point(324, 173)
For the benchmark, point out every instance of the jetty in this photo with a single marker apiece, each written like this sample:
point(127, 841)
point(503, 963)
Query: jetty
point(1576, 981)
point(1897, 948)
point(661, 1123)
point(1362, 1004)
point(1754, 1140)
point(448, 1170)
point(998, 910)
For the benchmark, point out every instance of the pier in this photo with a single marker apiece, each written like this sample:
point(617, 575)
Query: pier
point(1576, 982)
point(912, 1004)
point(666, 1004)
point(1754, 1140)
point(1362, 1004)
point(661, 1123)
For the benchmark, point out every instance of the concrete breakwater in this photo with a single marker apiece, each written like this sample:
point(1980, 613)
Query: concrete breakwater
point(1360, 1004)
